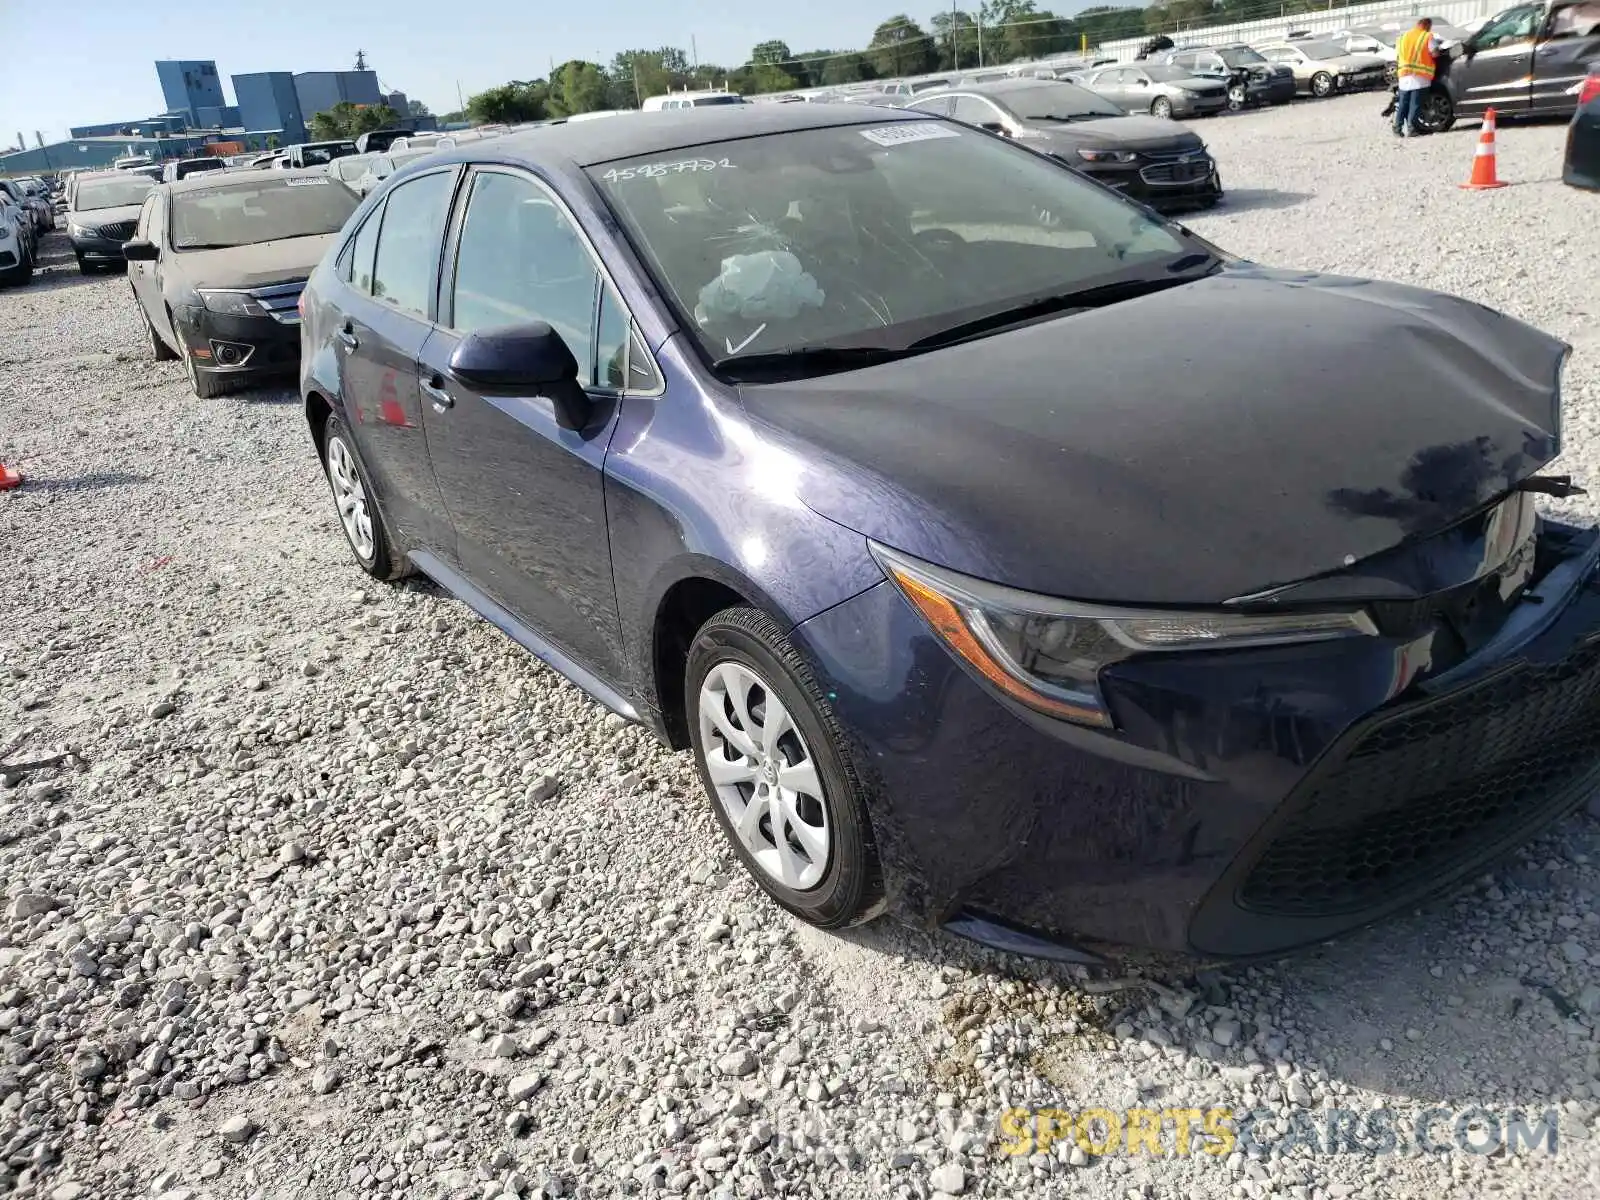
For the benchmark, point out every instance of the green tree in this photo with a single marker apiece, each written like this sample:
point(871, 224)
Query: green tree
point(845, 68)
point(955, 34)
point(773, 53)
point(417, 108)
point(578, 87)
point(636, 75)
point(346, 120)
point(760, 78)
point(507, 104)
point(900, 47)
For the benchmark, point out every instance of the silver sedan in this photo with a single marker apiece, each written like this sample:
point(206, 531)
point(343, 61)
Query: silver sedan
point(1158, 90)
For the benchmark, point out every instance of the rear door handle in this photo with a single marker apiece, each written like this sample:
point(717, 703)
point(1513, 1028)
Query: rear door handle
point(348, 337)
point(434, 390)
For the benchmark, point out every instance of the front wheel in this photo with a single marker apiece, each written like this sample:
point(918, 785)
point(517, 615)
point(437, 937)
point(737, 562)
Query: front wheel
point(206, 386)
point(1237, 97)
point(1322, 85)
point(1161, 107)
point(159, 350)
point(771, 755)
point(1437, 112)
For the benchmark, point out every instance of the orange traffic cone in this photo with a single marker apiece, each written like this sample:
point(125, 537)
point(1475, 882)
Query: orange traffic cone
point(1483, 172)
point(9, 478)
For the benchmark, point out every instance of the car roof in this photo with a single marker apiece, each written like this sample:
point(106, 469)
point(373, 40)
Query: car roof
point(208, 180)
point(631, 134)
point(1003, 87)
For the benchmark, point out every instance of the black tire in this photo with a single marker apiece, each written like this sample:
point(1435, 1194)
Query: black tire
point(159, 350)
point(206, 386)
point(83, 267)
point(1322, 85)
point(381, 562)
point(1437, 112)
point(1161, 107)
point(851, 887)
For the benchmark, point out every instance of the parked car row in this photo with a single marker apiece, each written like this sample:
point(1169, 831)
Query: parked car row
point(27, 213)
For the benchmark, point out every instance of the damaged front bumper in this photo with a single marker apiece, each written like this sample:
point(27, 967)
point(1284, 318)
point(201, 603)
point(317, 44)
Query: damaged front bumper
point(1249, 802)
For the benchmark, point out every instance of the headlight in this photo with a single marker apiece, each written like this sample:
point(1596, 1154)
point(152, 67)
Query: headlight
point(79, 230)
point(1119, 156)
point(238, 304)
point(1048, 653)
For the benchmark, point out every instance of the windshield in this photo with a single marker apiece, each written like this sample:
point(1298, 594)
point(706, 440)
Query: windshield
point(115, 192)
point(870, 236)
point(216, 218)
point(1240, 56)
point(1166, 74)
point(1320, 50)
point(1057, 101)
point(350, 169)
point(316, 156)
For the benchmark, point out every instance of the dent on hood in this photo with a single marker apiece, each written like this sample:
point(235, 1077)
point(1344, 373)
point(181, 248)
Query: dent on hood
point(1281, 434)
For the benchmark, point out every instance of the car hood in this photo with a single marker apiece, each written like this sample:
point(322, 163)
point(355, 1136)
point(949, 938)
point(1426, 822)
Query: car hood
point(89, 218)
point(1191, 446)
point(251, 266)
point(1133, 133)
point(1196, 84)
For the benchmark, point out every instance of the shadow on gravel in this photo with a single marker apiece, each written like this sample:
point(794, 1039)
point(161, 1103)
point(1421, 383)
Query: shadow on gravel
point(99, 481)
point(1249, 199)
point(56, 268)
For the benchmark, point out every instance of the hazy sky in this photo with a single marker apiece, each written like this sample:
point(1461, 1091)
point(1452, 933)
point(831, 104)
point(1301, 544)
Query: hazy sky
point(93, 61)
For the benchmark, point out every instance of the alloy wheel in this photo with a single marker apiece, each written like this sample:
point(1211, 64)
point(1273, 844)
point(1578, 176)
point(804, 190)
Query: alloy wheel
point(1161, 107)
point(351, 498)
point(765, 777)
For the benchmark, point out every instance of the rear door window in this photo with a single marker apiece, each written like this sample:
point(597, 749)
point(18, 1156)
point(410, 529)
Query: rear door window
point(356, 266)
point(407, 259)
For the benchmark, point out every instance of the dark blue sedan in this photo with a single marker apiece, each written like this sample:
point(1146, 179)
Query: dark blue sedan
point(1008, 557)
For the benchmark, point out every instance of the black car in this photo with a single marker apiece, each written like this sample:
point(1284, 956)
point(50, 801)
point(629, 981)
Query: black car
point(217, 263)
point(101, 212)
point(1251, 79)
point(833, 443)
point(1151, 159)
point(1582, 167)
point(1528, 60)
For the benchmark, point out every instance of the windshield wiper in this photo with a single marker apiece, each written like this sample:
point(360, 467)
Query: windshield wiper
point(1085, 116)
point(808, 360)
point(1084, 298)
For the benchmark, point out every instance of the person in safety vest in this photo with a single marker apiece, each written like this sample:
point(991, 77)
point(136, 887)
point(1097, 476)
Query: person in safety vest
point(1415, 53)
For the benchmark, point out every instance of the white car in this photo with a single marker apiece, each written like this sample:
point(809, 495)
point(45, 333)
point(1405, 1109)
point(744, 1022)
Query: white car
point(16, 246)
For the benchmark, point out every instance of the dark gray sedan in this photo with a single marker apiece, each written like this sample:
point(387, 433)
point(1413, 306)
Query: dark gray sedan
point(1158, 90)
point(1148, 158)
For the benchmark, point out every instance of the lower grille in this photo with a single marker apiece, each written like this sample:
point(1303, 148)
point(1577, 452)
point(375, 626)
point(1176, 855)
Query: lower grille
point(7, 259)
point(117, 231)
point(281, 300)
point(1425, 790)
point(1177, 172)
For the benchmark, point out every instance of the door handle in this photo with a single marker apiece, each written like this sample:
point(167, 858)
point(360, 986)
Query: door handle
point(349, 338)
point(435, 391)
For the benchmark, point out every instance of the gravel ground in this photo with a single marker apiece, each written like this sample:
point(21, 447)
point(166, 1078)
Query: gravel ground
point(344, 895)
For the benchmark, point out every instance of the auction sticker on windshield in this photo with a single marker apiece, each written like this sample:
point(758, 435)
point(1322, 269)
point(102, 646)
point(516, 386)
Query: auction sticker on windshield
point(909, 131)
point(661, 169)
point(306, 182)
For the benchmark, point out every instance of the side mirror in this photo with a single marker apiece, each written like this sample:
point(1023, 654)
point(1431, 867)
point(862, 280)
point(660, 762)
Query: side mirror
point(524, 358)
point(140, 250)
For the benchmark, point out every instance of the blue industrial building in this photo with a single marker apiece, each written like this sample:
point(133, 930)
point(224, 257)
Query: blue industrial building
point(268, 104)
point(318, 91)
point(191, 86)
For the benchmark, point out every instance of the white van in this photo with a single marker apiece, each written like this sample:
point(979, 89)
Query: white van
point(691, 100)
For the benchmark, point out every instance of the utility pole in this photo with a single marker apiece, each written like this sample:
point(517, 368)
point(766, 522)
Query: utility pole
point(694, 52)
point(955, 43)
point(980, 36)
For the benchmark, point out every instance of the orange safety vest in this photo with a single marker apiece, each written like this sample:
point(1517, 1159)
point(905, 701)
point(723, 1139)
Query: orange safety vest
point(1414, 53)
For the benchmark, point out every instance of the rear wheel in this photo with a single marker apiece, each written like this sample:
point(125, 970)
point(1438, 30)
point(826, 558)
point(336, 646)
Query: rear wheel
point(1322, 85)
point(1161, 107)
point(363, 526)
point(771, 755)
